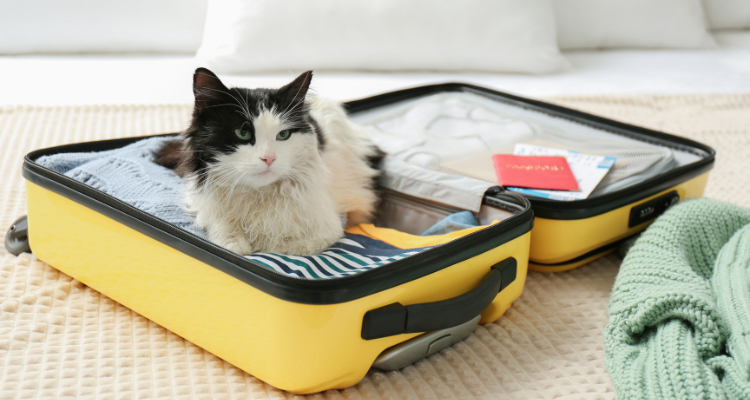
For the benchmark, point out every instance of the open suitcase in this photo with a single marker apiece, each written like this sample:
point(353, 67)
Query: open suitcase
point(310, 335)
point(301, 335)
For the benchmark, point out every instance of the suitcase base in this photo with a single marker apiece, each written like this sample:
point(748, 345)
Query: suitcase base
point(302, 348)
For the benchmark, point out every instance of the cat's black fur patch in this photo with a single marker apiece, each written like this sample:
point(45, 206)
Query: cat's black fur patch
point(318, 133)
point(375, 162)
point(220, 110)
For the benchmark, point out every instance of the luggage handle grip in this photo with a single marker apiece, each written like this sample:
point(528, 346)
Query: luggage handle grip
point(395, 319)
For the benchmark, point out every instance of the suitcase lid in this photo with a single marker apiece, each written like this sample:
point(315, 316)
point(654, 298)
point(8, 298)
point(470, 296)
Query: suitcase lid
point(445, 133)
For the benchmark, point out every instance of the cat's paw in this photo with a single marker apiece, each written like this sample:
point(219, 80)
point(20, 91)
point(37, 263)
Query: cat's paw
point(239, 245)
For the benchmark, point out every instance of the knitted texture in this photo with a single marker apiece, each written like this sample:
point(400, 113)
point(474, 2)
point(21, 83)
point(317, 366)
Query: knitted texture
point(129, 174)
point(679, 315)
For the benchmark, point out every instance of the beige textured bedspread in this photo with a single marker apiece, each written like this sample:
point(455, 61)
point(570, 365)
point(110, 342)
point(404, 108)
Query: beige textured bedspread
point(61, 339)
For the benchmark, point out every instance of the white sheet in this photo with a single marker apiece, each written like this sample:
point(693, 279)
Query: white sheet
point(152, 79)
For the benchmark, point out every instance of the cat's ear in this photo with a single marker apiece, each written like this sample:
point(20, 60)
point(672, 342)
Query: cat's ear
point(207, 88)
point(295, 92)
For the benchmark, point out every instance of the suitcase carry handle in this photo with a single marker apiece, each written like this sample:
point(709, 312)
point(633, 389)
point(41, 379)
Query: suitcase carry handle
point(395, 319)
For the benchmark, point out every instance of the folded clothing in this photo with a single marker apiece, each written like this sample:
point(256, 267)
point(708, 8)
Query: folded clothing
point(129, 174)
point(454, 222)
point(678, 315)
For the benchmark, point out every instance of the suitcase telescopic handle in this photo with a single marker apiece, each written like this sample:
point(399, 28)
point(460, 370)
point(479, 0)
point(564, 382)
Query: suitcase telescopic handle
point(395, 319)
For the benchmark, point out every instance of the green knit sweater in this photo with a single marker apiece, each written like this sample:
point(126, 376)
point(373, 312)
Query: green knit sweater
point(679, 316)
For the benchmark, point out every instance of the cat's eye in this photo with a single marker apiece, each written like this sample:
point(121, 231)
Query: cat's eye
point(243, 133)
point(283, 135)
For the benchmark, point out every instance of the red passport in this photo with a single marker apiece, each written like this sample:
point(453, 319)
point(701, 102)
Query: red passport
point(534, 172)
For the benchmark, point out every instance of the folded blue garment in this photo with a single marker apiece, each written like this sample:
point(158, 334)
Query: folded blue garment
point(129, 174)
point(452, 223)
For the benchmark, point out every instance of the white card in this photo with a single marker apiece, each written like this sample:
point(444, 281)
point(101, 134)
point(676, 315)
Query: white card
point(589, 170)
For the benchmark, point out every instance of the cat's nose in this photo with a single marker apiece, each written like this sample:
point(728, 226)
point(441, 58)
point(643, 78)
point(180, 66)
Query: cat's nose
point(268, 159)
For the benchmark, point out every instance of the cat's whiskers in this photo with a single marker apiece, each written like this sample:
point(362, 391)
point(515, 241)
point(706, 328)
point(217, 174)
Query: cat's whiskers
point(214, 173)
point(286, 114)
point(218, 187)
point(234, 184)
point(245, 110)
point(246, 105)
point(242, 113)
point(226, 104)
point(296, 103)
point(247, 102)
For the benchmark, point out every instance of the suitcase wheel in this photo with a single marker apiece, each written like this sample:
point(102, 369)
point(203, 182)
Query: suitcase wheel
point(17, 237)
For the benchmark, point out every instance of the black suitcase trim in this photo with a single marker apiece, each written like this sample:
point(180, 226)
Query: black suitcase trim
point(579, 209)
point(328, 291)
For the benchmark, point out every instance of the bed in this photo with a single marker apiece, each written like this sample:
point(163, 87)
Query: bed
point(59, 338)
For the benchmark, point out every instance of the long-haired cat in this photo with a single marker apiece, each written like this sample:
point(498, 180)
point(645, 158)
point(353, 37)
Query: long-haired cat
point(272, 170)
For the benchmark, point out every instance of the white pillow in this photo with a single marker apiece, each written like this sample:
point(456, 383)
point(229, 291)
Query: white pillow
point(468, 35)
point(728, 14)
point(591, 24)
point(86, 26)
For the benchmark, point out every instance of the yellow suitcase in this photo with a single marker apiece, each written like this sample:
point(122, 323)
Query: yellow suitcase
point(301, 335)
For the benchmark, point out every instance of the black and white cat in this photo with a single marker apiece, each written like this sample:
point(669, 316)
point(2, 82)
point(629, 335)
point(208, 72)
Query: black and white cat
point(273, 170)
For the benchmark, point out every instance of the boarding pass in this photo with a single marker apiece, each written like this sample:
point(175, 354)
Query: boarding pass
point(588, 169)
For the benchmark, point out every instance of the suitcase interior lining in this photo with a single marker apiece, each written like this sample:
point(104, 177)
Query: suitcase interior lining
point(456, 133)
point(414, 215)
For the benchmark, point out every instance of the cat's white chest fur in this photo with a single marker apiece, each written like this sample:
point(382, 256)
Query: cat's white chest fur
point(299, 213)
